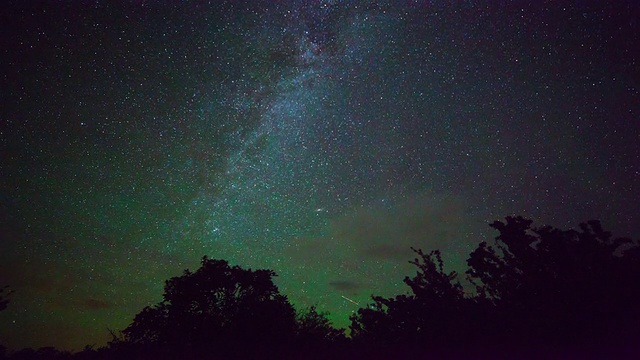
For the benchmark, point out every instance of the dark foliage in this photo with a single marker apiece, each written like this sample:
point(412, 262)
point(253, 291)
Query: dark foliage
point(4, 300)
point(44, 353)
point(216, 311)
point(225, 312)
point(560, 290)
point(431, 320)
point(533, 293)
point(538, 292)
point(316, 338)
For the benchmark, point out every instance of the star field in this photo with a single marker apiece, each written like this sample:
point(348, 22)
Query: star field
point(320, 139)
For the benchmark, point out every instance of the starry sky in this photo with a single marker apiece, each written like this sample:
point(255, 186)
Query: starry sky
point(320, 139)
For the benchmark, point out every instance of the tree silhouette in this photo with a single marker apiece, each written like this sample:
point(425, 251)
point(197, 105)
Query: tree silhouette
point(315, 336)
point(219, 311)
point(538, 291)
point(429, 319)
point(43, 353)
point(559, 289)
point(532, 293)
point(4, 301)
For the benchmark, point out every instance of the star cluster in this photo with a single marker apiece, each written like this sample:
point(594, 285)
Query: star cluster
point(320, 139)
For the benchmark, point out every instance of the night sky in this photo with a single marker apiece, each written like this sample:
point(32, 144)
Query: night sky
point(320, 139)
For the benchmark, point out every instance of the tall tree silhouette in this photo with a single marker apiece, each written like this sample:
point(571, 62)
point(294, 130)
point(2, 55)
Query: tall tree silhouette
point(217, 311)
point(559, 289)
point(316, 338)
point(3, 305)
point(538, 291)
point(430, 319)
point(4, 293)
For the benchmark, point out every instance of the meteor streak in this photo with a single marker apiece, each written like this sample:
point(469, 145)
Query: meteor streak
point(349, 300)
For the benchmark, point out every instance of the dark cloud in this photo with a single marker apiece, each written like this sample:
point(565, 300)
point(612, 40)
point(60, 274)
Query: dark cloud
point(386, 252)
point(388, 233)
point(346, 286)
point(94, 304)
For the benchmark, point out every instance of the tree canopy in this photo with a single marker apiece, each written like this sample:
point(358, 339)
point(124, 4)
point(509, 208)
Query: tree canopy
point(535, 291)
point(217, 309)
point(4, 300)
point(223, 311)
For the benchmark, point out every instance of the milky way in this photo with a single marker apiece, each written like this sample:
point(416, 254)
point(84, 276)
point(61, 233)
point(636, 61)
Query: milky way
point(318, 139)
